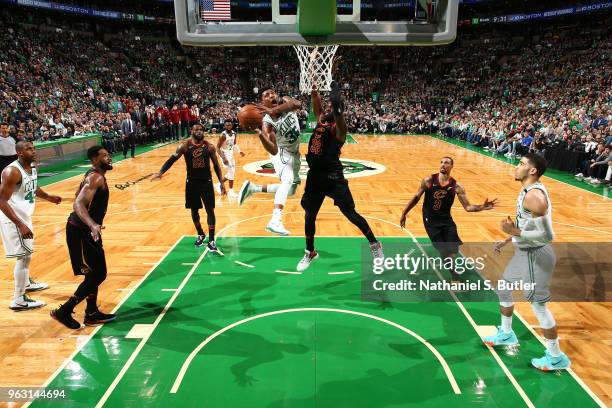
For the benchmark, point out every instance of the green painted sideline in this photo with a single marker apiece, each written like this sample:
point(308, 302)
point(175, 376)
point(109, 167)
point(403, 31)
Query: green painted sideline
point(558, 175)
point(72, 169)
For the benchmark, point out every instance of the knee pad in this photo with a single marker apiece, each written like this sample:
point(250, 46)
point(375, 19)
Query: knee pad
point(545, 318)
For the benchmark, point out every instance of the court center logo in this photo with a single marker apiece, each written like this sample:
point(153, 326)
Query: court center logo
point(352, 168)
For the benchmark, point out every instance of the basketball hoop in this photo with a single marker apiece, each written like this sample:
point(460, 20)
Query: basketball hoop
point(315, 66)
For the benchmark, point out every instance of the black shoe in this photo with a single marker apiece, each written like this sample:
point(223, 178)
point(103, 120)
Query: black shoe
point(97, 318)
point(200, 241)
point(212, 247)
point(65, 319)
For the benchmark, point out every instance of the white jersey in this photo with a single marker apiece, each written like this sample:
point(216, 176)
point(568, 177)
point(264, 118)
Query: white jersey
point(23, 198)
point(230, 141)
point(287, 131)
point(524, 217)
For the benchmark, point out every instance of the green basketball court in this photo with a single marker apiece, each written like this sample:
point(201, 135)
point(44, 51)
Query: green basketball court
point(246, 330)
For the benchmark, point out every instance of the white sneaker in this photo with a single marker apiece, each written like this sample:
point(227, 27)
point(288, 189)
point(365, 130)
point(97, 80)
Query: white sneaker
point(579, 175)
point(277, 227)
point(36, 286)
point(232, 195)
point(245, 192)
point(588, 179)
point(377, 252)
point(595, 182)
point(217, 187)
point(307, 260)
point(25, 303)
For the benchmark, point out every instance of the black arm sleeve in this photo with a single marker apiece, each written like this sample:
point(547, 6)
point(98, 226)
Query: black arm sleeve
point(168, 164)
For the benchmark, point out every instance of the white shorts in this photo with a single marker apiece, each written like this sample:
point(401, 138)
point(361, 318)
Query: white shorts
point(231, 165)
point(287, 166)
point(533, 266)
point(14, 245)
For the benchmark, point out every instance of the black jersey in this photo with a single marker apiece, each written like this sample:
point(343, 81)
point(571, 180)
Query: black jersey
point(439, 200)
point(97, 207)
point(197, 159)
point(324, 150)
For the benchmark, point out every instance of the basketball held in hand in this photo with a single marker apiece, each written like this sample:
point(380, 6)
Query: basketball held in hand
point(250, 117)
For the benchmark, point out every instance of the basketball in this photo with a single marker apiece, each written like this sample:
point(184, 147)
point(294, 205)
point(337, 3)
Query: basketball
point(250, 117)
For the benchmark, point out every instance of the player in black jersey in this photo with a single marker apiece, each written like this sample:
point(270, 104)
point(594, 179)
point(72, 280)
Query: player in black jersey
point(199, 186)
point(84, 240)
point(325, 176)
point(440, 190)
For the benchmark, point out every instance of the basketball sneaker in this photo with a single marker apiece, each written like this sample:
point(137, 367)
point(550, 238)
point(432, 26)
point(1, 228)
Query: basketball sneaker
point(212, 247)
point(200, 240)
point(501, 338)
point(307, 260)
point(65, 318)
point(377, 251)
point(231, 194)
point(217, 187)
point(25, 303)
point(277, 227)
point(35, 286)
point(245, 192)
point(549, 363)
point(97, 318)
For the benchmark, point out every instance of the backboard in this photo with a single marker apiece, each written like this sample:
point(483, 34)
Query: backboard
point(285, 22)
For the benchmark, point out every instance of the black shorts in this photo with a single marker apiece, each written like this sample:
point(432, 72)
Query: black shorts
point(319, 187)
point(443, 235)
point(86, 255)
point(198, 192)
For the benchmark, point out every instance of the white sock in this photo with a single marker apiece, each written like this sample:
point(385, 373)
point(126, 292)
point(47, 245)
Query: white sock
point(506, 324)
point(256, 188)
point(553, 347)
point(277, 214)
point(21, 273)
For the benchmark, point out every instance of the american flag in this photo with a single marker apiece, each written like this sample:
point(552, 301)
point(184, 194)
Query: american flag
point(216, 10)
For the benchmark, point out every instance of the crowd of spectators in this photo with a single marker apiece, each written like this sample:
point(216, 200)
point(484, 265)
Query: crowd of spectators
point(547, 90)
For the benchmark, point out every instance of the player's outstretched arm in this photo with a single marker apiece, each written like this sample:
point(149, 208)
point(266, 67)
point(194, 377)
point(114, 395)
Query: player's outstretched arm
point(425, 183)
point(166, 166)
point(10, 178)
point(316, 102)
point(216, 167)
point(92, 182)
point(289, 104)
point(465, 202)
point(338, 110)
point(51, 198)
point(267, 136)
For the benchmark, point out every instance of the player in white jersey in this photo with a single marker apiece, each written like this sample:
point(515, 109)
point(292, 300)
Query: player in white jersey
point(226, 146)
point(17, 197)
point(533, 262)
point(280, 136)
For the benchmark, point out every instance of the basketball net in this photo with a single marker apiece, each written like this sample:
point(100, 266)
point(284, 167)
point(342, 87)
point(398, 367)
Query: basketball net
point(315, 66)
